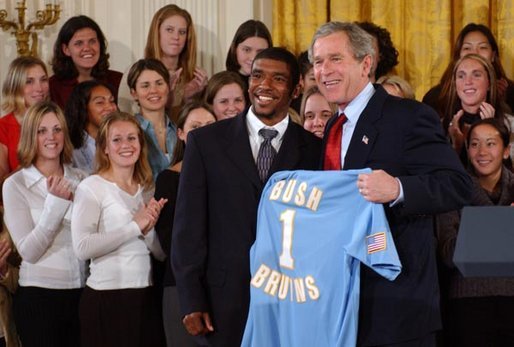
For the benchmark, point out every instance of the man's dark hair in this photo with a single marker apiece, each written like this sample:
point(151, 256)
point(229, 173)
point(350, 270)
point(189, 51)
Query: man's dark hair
point(282, 54)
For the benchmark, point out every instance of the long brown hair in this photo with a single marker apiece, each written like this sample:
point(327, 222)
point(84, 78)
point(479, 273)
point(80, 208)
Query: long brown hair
point(250, 28)
point(142, 170)
point(450, 100)
point(187, 58)
point(496, 62)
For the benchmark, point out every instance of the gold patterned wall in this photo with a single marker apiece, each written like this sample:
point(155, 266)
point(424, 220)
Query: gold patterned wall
point(422, 31)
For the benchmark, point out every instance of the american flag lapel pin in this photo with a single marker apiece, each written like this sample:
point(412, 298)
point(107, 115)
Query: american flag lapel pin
point(365, 139)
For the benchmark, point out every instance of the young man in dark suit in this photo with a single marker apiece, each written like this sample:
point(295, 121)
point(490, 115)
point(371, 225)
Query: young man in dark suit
point(224, 171)
point(415, 174)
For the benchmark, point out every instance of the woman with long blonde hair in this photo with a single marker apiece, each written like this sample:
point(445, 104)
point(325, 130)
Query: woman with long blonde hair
point(38, 202)
point(113, 227)
point(25, 84)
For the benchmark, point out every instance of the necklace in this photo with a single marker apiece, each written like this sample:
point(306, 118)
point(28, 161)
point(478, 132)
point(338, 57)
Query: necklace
point(160, 131)
point(160, 127)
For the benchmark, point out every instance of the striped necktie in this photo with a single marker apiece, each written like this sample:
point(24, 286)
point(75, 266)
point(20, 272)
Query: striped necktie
point(266, 152)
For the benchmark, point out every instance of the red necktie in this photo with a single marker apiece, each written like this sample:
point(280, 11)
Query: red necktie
point(333, 147)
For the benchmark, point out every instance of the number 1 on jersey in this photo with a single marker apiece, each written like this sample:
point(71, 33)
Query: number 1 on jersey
point(286, 257)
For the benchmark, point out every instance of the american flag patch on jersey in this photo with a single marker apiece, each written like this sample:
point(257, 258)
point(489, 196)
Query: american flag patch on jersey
point(376, 242)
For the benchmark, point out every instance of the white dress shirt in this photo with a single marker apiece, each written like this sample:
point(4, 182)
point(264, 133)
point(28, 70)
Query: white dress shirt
point(352, 112)
point(103, 231)
point(39, 224)
point(254, 124)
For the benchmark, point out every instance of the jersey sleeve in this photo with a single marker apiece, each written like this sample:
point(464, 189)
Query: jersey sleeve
point(372, 242)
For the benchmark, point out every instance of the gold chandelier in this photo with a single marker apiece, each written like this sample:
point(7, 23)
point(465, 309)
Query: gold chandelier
point(48, 16)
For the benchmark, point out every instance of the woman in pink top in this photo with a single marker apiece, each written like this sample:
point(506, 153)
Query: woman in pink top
point(26, 83)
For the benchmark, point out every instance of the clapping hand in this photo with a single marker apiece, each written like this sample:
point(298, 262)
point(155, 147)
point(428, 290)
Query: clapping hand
point(147, 215)
point(60, 187)
point(197, 84)
point(486, 110)
point(457, 135)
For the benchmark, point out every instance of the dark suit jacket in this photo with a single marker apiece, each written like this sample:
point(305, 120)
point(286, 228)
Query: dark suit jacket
point(215, 219)
point(405, 139)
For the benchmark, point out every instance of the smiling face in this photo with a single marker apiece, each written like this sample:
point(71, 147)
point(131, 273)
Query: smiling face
point(228, 102)
point(340, 77)
point(317, 113)
point(246, 52)
point(151, 91)
point(270, 90)
point(122, 145)
point(101, 103)
point(472, 84)
point(173, 35)
point(486, 151)
point(50, 139)
point(83, 49)
point(36, 85)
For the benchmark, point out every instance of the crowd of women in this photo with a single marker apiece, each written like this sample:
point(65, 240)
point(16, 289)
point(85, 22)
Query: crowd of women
point(111, 146)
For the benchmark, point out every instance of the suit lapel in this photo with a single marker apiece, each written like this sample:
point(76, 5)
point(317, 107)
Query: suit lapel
point(365, 132)
point(238, 149)
point(289, 154)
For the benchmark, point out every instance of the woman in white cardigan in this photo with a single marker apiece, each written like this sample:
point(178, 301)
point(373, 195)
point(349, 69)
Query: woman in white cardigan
point(37, 203)
point(113, 227)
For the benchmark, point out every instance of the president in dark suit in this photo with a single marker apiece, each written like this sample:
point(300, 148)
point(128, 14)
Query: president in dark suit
point(225, 168)
point(415, 174)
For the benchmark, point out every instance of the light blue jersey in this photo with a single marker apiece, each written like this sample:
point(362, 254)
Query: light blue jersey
point(314, 230)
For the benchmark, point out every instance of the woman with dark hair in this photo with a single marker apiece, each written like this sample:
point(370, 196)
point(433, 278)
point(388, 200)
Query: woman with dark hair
point(225, 94)
point(112, 226)
point(479, 308)
point(194, 114)
point(80, 54)
point(148, 81)
point(250, 38)
point(38, 201)
point(89, 102)
point(386, 54)
point(477, 39)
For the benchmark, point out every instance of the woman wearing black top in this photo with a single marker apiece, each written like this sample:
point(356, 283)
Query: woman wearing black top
point(195, 114)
